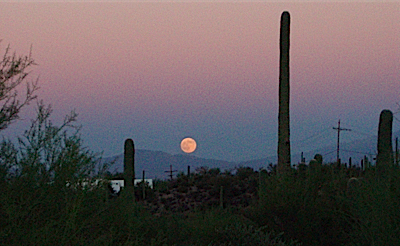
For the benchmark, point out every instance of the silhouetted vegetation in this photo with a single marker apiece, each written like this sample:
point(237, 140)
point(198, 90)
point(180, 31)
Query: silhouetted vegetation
point(14, 72)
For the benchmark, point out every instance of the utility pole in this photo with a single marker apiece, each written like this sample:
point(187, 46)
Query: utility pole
point(397, 151)
point(338, 140)
point(143, 186)
point(170, 171)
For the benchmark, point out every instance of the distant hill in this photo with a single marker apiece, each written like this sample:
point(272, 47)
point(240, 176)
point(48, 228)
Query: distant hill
point(156, 163)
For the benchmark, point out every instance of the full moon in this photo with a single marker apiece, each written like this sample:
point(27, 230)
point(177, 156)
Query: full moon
point(188, 145)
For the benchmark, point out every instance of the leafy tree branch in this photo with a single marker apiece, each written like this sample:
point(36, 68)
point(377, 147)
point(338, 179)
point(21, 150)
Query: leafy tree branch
point(13, 72)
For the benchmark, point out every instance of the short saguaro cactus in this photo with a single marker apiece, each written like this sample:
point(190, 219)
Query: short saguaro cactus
point(129, 166)
point(384, 158)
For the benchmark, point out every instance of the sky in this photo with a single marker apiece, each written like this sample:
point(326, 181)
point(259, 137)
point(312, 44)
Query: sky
point(158, 72)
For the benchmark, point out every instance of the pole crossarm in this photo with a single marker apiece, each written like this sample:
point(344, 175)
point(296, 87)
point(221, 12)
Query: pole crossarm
point(338, 129)
point(170, 171)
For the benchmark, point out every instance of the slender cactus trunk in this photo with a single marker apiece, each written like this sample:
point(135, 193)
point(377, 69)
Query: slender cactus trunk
point(283, 118)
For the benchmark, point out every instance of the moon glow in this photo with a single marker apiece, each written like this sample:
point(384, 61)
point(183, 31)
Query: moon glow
point(188, 145)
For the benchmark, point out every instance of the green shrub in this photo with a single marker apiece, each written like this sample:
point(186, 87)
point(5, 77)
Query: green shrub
point(247, 235)
point(374, 214)
point(37, 205)
point(303, 204)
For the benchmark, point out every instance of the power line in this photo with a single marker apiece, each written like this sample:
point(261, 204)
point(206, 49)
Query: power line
point(311, 137)
point(398, 110)
point(363, 133)
point(358, 152)
point(330, 152)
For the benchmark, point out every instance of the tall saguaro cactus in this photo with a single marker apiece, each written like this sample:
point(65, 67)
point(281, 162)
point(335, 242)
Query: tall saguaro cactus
point(129, 163)
point(385, 149)
point(283, 118)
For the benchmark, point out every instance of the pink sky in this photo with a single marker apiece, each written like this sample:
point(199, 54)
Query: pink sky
point(158, 72)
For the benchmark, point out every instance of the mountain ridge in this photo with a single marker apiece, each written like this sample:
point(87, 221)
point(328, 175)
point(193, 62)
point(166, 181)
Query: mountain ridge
point(157, 164)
